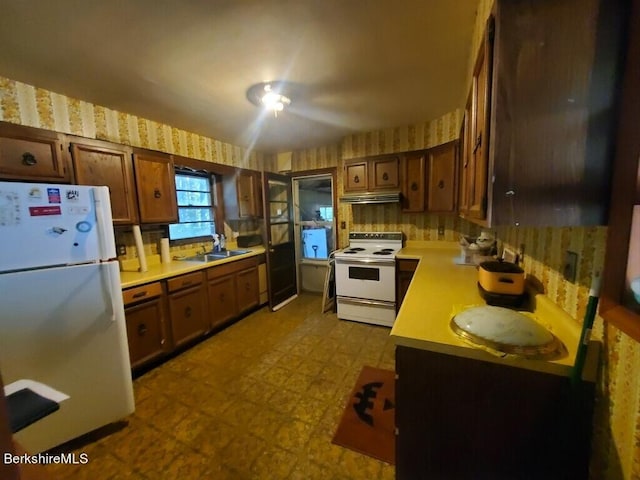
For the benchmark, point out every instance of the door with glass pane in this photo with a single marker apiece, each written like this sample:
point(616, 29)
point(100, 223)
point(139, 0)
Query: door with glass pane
point(281, 252)
point(314, 229)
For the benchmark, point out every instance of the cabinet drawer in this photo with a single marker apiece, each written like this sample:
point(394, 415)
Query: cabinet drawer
point(183, 281)
point(232, 267)
point(32, 154)
point(143, 292)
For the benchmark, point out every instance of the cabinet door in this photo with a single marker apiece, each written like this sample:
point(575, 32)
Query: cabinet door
point(188, 319)
point(248, 289)
point(32, 154)
point(222, 300)
point(246, 185)
point(156, 188)
point(355, 177)
point(405, 269)
point(464, 182)
point(479, 148)
point(442, 178)
point(108, 164)
point(413, 184)
point(145, 331)
point(385, 173)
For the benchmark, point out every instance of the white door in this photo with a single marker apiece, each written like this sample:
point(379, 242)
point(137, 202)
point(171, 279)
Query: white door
point(65, 327)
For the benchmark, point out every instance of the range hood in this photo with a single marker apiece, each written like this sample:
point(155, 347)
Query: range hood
point(383, 197)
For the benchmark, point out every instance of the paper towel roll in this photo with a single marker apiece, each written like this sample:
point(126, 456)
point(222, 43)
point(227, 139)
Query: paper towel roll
point(165, 254)
point(140, 248)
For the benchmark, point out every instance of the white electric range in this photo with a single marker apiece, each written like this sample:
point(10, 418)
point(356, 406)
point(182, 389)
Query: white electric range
point(365, 276)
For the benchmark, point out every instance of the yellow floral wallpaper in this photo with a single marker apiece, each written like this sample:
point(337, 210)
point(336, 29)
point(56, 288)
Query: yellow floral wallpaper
point(27, 105)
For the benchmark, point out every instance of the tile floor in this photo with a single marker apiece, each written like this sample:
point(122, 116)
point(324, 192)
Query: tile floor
point(259, 400)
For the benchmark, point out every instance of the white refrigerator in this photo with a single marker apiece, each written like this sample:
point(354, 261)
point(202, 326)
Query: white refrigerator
point(61, 313)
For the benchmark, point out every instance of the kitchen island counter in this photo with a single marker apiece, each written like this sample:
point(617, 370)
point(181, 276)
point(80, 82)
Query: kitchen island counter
point(439, 286)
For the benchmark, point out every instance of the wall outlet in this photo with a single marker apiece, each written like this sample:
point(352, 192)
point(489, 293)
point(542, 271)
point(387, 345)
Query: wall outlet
point(570, 266)
point(440, 231)
point(121, 250)
point(343, 225)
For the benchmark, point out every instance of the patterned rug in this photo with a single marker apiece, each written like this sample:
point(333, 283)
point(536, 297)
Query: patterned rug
point(368, 422)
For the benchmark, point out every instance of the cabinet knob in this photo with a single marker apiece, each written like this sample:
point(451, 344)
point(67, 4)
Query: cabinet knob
point(187, 312)
point(29, 159)
point(385, 176)
point(356, 179)
point(414, 186)
point(221, 297)
point(157, 193)
point(441, 184)
point(142, 329)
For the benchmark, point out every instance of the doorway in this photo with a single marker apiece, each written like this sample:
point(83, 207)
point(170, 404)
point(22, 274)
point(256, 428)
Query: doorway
point(314, 222)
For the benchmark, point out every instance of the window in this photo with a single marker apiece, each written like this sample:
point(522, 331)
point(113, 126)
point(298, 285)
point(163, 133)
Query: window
point(195, 207)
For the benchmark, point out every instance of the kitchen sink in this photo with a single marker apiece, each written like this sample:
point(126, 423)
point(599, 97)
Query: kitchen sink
point(213, 256)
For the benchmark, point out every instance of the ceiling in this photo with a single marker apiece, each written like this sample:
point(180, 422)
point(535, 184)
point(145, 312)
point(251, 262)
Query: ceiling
point(359, 65)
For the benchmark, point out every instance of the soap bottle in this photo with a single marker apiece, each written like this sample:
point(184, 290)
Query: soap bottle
point(223, 242)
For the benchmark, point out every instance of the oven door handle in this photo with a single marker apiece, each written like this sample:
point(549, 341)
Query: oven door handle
point(364, 301)
point(364, 262)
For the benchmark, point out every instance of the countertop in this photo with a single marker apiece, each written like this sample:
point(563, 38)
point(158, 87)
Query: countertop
point(439, 286)
point(160, 271)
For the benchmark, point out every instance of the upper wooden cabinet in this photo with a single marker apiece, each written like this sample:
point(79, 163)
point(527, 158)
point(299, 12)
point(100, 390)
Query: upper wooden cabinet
point(155, 186)
point(102, 163)
point(242, 194)
point(441, 190)
point(32, 154)
point(429, 179)
point(372, 174)
point(549, 79)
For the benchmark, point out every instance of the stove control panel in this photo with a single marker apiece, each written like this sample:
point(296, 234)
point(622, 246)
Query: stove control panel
point(393, 236)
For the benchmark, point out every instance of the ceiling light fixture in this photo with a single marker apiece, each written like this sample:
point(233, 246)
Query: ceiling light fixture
point(272, 96)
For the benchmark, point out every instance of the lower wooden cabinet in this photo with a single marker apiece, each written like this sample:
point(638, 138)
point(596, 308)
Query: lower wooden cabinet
point(146, 323)
point(464, 418)
point(187, 307)
point(222, 300)
point(404, 274)
point(233, 289)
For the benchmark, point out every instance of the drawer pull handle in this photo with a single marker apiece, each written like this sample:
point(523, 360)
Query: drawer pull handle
point(441, 184)
point(356, 179)
point(157, 193)
point(142, 329)
point(187, 312)
point(140, 294)
point(29, 159)
point(414, 186)
point(385, 176)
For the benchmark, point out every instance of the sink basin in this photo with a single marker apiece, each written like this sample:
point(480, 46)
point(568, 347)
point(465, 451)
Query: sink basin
point(213, 256)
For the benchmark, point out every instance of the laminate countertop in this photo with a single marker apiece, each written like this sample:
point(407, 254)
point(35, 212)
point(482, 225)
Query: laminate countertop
point(161, 271)
point(440, 287)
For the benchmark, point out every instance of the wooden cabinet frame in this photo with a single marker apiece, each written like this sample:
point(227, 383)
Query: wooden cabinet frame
point(625, 191)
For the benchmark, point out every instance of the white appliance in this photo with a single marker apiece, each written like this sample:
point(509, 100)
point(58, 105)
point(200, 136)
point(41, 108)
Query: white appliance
point(61, 317)
point(365, 276)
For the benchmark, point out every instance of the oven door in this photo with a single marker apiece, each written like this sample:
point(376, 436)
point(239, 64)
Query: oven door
point(364, 278)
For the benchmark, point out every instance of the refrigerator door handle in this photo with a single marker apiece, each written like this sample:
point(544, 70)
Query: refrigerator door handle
point(113, 289)
point(104, 223)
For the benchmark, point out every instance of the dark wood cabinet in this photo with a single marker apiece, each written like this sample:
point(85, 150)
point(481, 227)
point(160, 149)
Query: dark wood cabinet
point(248, 289)
point(233, 290)
point(414, 175)
point(405, 268)
point(242, 192)
point(32, 154)
point(541, 123)
point(102, 163)
point(384, 173)
point(465, 175)
point(463, 418)
point(356, 177)
point(155, 187)
point(146, 323)
point(187, 307)
point(442, 186)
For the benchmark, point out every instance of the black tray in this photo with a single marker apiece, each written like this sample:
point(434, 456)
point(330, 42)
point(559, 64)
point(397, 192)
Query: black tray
point(501, 299)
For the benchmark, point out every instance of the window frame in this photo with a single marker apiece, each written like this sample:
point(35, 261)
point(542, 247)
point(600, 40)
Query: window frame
point(214, 206)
